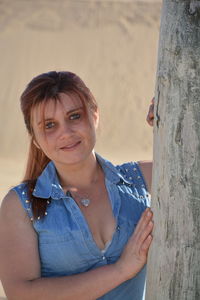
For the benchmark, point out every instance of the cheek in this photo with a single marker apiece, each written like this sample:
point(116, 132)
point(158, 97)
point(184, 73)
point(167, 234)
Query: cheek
point(48, 143)
point(88, 128)
point(91, 133)
point(43, 141)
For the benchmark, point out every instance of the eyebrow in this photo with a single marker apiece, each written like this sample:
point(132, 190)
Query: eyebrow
point(75, 109)
point(67, 113)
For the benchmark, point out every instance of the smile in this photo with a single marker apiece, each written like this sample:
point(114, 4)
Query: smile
point(70, 147)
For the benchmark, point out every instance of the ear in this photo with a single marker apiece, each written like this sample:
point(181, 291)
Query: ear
point(36, 144)
point(96, 118)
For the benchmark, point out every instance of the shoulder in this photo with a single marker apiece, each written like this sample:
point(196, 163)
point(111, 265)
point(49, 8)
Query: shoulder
point(15, 207)
point(134, 184)
point(138, 171)
point(9, 200)
point(11, 206)
point(14, 221)
point(141, 168)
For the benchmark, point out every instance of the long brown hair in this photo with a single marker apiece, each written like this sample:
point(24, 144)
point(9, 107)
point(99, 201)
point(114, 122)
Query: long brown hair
point(40, 89)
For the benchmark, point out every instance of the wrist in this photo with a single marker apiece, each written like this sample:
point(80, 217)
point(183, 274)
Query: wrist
point(121, 271)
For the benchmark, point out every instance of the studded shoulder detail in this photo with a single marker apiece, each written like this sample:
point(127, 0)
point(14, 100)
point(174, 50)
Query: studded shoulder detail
point(131, 172)
point(22, 193)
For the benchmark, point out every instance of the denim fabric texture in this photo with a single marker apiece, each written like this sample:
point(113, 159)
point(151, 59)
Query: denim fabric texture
point(65, 242)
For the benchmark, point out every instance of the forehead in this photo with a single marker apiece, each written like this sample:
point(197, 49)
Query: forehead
point(65, 103)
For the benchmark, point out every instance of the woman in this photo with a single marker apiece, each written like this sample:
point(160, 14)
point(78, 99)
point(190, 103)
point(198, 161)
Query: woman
point(77, 227)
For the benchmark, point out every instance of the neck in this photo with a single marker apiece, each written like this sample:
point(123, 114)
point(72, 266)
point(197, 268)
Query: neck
point(80, 175)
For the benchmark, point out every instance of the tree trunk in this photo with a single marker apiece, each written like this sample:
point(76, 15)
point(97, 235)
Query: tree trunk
point(174, 258)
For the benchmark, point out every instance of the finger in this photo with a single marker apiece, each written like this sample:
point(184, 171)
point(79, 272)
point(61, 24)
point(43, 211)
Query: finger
point(151, 110)
point(153, 100)
point(144, 230)
point(147, 215)
point(151, 107)
point(145, 246)
point(150, 117)
point(151, 122)
point(147, 230)
point(139, 239)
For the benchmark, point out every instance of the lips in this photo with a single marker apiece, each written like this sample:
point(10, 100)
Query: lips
point(70, 146)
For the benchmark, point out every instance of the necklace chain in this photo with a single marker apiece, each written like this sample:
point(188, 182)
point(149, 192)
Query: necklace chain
point(83, 200)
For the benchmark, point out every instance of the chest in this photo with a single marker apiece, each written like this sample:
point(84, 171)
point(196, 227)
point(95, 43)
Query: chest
point(68, 237)
point(99, 216)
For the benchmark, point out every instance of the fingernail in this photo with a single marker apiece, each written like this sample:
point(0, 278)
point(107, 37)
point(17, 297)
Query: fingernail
point(149, 213)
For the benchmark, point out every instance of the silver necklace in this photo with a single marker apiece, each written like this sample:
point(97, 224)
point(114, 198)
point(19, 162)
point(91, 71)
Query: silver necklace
point(85, 202)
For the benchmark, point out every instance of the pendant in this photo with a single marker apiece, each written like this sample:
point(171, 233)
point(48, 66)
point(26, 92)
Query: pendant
point(85, 202)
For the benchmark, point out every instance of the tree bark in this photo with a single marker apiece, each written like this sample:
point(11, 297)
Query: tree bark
point(174, 258)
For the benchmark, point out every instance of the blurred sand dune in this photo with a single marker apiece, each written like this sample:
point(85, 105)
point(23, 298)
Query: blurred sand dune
point(112, 45)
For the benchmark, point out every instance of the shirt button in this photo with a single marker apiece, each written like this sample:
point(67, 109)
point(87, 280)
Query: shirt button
point(103, 257)
point(118, 227)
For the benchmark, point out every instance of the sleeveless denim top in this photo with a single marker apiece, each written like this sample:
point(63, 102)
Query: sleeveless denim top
point(65, 242)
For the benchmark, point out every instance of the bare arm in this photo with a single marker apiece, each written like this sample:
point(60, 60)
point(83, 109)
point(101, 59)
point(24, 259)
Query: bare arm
point(146, 168)
point(20, 265)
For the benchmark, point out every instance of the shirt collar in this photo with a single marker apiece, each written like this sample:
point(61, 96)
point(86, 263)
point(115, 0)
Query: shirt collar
point(112, 173)
point(48, 185)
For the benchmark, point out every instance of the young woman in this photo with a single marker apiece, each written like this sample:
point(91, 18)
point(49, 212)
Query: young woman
point(77, 227)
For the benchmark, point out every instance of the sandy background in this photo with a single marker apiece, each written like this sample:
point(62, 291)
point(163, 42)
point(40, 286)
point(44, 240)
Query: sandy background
point(111, 45)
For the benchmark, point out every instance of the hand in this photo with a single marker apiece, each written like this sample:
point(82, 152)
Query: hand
point(150, 115)
point(134, 255)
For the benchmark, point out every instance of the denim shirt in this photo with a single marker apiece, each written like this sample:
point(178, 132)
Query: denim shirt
point(65, 242)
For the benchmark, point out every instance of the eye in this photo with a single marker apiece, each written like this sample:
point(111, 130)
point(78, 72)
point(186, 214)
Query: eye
point(49, 125)
point(75, 116)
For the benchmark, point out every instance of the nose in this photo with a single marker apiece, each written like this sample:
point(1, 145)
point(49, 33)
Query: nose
point(66, 131)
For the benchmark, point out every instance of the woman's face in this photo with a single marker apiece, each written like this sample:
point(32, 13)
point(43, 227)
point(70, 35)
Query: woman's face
point(63, 130)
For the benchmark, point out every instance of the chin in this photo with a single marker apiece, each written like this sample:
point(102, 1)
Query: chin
point(74, 158)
